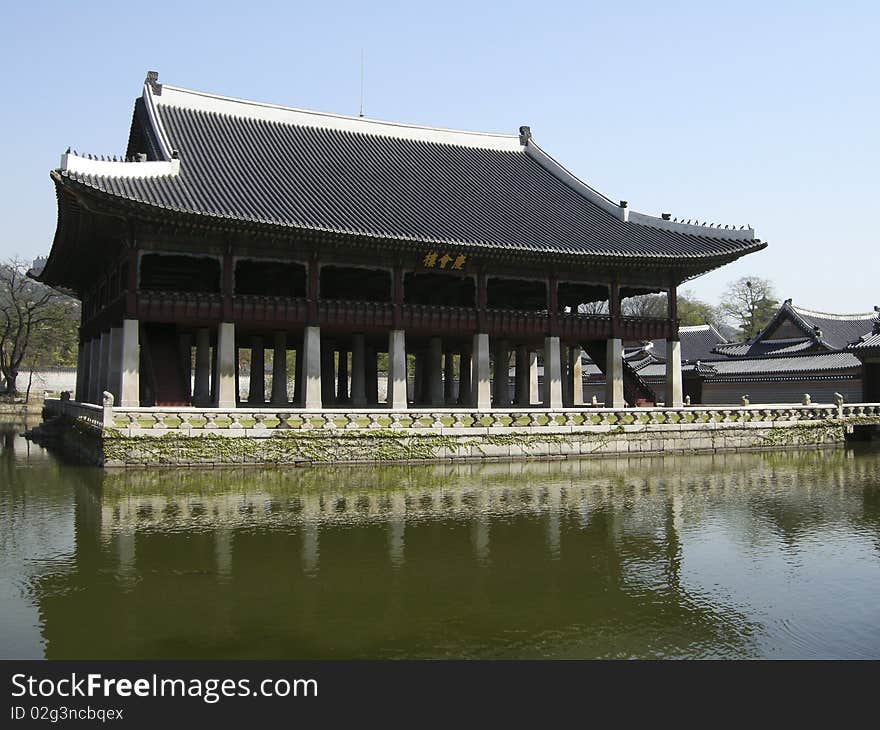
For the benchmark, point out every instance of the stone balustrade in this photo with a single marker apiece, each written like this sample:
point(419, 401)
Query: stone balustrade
point(87, 414)
point(260, 421)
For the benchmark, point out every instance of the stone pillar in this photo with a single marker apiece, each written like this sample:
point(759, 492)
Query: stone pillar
point(94, 368)
point(328, 376)
point(130, 370)
point(298, 375)
point(464, 377)
point(576, 373)
point(82, 371)
point(435, 372)
point(673, 395)
point(358, 371)
point(371, 376)
point(202, 388)
point(565, 366)
point(552, 374)
point(501, 382)
point(449, 378)
point(104, 367)
point(397, 370)
point(342, 371)
point(310, 354)
point(279, 370)
point(184, 344)
point(481, 396)
point(418, 394)
point(257, 390)
point(522, 376)
point(614, 374)
point(224, 392)
point(534, 395)
point(114, 379)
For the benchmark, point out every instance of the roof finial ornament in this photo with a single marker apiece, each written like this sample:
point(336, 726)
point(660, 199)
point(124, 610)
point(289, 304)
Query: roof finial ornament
point(152, 81)
point(525, 134)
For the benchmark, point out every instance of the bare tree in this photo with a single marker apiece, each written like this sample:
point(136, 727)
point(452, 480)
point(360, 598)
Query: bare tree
point(27, 310)
point(593, 308)
point(749, 302)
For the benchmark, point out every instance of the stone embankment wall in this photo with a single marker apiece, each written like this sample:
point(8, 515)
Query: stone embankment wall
point(117, 437)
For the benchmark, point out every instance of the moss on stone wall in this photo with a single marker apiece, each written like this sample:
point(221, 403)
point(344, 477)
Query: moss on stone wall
point(292, 446)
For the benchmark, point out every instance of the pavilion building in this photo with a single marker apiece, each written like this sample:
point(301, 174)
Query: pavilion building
point(332, 240)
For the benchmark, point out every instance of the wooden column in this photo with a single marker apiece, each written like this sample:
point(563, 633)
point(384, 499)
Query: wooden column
point(358, 370)
point(342, 377)
point(257, 390)
point(522, 375)
point(464, 377)
point(279, 370)
point(312, 289)
point(482, 301)
point(501, 381)
point(553, 304)
point(131, 283)
point(449, 378)
point(371, 375)
point(228, 284)
point(614, 308)
point(397, 296)
point(202, 389)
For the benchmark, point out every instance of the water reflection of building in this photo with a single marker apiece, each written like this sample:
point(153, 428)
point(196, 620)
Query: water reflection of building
point(513, 559)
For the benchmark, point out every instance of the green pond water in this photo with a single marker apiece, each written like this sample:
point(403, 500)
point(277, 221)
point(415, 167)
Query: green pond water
point(739, 555)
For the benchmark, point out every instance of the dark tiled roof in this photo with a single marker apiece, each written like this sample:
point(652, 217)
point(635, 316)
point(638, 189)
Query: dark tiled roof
point(820, 362)
point(867, 342)
point(697, 343)
point(838, 330)
point(821, 331)
point(305, 170)
point(761, 348)
point(804, 365)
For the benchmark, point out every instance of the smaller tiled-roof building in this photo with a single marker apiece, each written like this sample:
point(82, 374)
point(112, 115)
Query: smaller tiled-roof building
point(799, 352)
point(867, 350)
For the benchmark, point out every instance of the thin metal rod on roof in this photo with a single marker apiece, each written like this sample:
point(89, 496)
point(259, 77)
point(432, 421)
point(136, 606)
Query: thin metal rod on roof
point(362, 83)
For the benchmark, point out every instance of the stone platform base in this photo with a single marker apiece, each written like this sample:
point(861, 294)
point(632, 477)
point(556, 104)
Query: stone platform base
point(153, 437)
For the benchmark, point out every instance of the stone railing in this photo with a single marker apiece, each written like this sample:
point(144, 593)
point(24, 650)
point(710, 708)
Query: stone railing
point(87, 414)
point(264, 421)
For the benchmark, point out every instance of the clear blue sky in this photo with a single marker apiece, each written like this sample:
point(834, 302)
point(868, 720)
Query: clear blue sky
point(744, 112)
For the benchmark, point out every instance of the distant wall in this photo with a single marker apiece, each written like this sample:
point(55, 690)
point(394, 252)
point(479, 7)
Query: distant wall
point(821, 391)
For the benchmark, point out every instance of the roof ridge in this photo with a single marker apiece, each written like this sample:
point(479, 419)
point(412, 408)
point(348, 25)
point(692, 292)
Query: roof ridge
point(831, 315)
point(168, 95)
point(786, 355)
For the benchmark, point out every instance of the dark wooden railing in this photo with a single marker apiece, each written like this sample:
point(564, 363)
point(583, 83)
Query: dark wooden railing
point(420, 319)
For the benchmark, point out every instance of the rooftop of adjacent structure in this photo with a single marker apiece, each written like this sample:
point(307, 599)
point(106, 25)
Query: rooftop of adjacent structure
point(795, 330)
point(236, 160)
